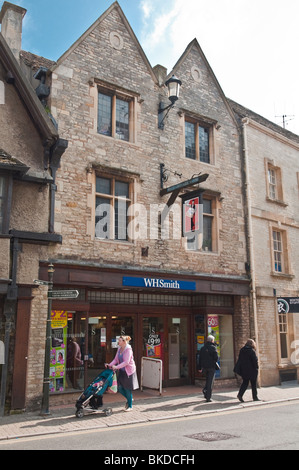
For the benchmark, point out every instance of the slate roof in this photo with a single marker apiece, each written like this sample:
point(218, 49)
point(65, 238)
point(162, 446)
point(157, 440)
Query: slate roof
point(8, 162)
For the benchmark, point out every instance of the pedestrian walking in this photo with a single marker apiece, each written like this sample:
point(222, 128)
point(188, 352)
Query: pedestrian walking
point(247, 367)
point(127, 378)
point(207, 362)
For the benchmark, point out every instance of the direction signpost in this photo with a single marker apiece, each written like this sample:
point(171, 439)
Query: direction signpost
point(63, 294)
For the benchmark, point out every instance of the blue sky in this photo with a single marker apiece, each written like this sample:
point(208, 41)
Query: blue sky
point(251, 45)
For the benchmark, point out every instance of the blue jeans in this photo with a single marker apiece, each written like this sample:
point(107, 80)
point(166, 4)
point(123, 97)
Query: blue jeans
point(127, 394)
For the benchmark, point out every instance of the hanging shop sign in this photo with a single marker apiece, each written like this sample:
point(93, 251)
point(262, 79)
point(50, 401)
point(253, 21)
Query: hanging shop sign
point(288, 305)
point(157, 283)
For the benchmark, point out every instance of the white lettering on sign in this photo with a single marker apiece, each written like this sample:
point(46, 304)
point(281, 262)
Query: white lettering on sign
point(2, 93)
point(161, 283)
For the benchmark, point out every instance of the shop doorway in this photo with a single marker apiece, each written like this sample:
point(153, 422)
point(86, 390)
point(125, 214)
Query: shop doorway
point(166, 337)
point(103, 334)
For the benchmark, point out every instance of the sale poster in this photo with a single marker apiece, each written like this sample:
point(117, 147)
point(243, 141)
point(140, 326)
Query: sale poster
point(58, 350)
point(213, 329)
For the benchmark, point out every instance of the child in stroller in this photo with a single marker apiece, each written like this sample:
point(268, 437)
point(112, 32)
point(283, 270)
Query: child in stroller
point(92, 398)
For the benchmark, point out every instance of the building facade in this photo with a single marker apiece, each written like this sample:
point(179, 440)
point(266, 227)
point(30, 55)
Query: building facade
point(30, 151)
point(136, 273)
point(152, 208)
point(271, 161)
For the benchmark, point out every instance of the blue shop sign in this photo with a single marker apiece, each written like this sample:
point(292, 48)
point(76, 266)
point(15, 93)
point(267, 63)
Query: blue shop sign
point(157, 283)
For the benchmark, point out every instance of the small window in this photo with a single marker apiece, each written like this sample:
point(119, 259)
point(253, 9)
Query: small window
point(274, 183)
point(115, 115)
point(280, 257)
point(197, 141)
point(283, 334)
point(112, 204)
point(277, 251)
point(3, 201)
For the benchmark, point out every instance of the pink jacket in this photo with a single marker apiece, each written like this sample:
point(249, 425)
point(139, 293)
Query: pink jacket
point(128, 361)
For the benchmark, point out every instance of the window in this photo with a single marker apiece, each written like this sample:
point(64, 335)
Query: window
point(3, 204)
point(2, 93)
point(277, 251)
point(209, 229)
point(283, 333)
point(197, 141)
point(112, 203)
point(274, 183)
point(115, 115)
point(280, 258)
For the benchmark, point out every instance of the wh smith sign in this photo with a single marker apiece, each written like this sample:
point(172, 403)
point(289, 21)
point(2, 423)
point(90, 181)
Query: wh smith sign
point(157, 283)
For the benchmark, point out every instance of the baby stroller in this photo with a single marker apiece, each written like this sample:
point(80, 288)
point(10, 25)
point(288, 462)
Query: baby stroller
point(93, 395)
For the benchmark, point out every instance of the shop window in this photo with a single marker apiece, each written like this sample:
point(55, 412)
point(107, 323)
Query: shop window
point(113, 198)
point(153, 337)
point(67, 351)
point(116, 114)
point(221, 327)
point(198, 141)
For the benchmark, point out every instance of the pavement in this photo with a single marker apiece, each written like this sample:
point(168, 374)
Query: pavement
point(148, 406)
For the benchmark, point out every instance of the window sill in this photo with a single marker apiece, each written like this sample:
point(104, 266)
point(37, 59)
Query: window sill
point(110, 240)
point(114, 140)
point(282, 275)
point(276, 201)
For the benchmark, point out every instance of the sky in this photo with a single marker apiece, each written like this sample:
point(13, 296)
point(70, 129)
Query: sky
point(251, 45)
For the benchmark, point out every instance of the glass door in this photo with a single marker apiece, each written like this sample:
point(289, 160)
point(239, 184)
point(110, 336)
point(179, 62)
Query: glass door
point(178, 351)
point(103, 333)
point(97, 346)
point(153, 338)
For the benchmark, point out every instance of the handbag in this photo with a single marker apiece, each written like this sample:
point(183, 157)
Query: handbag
point(113, 388)
point(237, 368)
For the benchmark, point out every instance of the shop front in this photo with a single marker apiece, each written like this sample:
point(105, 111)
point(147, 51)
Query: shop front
point(166, 323)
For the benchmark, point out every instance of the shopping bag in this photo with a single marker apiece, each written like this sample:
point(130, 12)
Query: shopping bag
point(113, 388)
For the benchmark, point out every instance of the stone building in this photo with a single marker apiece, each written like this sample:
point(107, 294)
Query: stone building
point(30, 151)
point(150, 204)
point(271, 160)
point(134, 270)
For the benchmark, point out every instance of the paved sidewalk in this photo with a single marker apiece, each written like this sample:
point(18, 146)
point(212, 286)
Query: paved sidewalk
point(148, 406)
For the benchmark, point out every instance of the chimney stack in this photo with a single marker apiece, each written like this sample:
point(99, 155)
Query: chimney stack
point(11, 19)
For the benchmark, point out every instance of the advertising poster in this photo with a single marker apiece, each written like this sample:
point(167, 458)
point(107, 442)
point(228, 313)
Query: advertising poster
point(154, 346)
point(213, 329)
point(192, 216)
point(58, 350)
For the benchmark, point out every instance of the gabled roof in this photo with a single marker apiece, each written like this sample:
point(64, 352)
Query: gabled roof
point(42, 121)
point(243, 112)
point(187, 51)
point(116, 6)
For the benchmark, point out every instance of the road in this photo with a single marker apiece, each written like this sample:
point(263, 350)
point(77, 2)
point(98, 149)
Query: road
point(268, 427)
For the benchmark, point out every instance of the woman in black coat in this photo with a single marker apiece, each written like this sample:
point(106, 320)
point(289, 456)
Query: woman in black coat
point(247, 367)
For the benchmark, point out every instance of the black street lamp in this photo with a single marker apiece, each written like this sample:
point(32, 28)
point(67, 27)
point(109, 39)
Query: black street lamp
point(173, 84)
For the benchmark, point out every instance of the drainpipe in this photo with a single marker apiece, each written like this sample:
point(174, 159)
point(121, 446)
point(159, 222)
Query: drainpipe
point(250, 238)
point(10, 309)
point(56, 153)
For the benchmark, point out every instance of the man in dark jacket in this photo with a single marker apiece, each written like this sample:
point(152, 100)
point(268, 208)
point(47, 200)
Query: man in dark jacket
point(206, 362)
